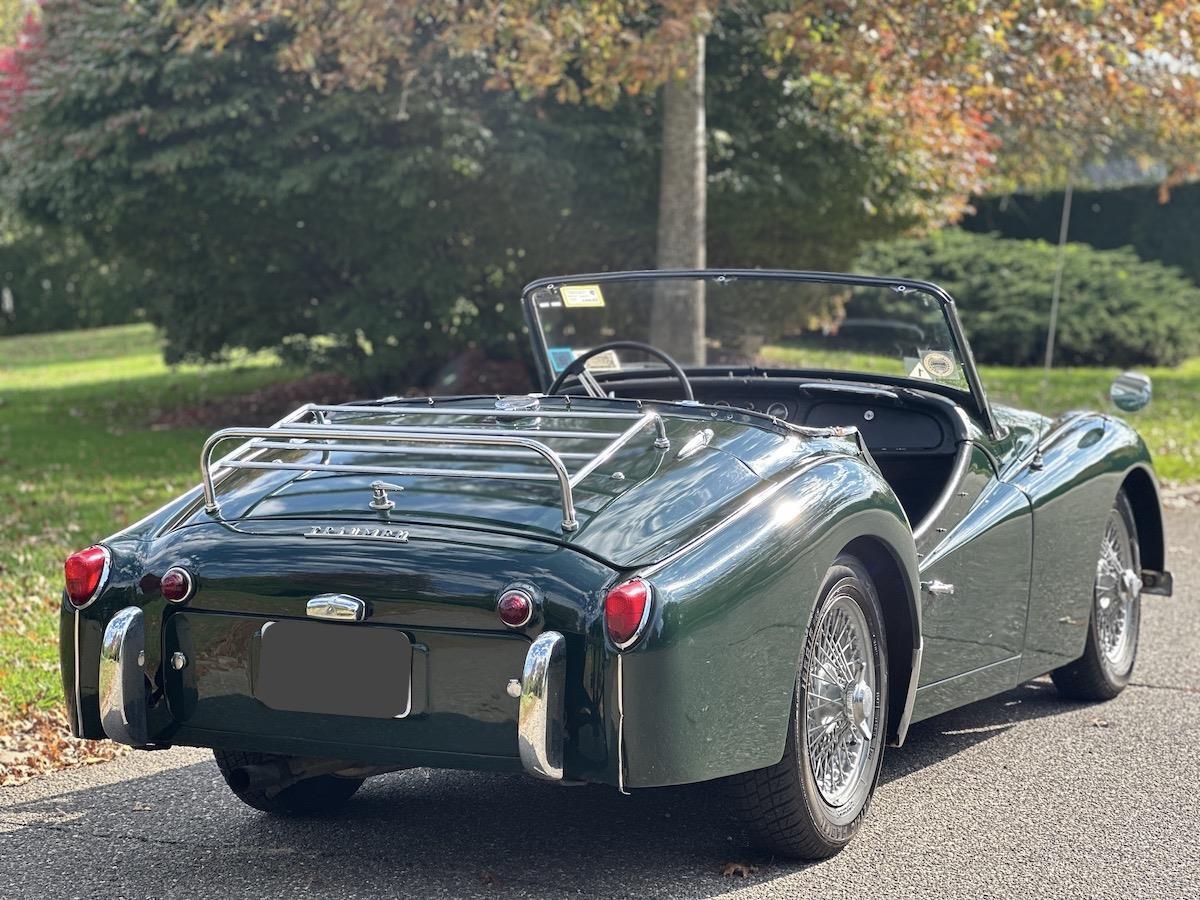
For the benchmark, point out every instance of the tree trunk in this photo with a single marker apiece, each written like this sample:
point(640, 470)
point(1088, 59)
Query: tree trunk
point(677, 317)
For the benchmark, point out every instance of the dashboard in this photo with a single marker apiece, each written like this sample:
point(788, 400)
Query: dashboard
point(891, 420)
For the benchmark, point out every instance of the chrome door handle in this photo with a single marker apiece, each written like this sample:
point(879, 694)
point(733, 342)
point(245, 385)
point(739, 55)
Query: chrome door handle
point(938, 588)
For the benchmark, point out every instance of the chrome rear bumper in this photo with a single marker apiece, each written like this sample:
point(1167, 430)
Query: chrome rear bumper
point(123, 709)
point(123, 705)
point(540, 719)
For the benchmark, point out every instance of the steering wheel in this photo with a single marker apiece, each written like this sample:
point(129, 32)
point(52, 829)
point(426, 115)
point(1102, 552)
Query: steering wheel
point(578, 364)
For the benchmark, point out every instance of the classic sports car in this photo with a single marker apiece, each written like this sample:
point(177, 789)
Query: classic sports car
point(727, 542)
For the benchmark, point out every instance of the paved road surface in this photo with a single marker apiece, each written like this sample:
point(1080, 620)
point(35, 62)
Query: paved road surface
point(1023, 795)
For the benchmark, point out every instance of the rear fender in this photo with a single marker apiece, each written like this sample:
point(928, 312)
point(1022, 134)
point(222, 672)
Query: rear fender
point(708, 691)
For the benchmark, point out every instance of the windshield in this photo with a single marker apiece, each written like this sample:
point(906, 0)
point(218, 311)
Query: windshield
point(770, 323)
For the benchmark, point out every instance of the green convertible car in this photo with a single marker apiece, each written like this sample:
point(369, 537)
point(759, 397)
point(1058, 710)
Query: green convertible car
point(756, 524)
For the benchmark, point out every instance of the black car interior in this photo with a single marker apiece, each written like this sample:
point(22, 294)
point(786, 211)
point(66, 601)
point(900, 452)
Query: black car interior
point(914, 435)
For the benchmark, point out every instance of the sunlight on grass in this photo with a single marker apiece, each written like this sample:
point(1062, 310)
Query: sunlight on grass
point(78, 461)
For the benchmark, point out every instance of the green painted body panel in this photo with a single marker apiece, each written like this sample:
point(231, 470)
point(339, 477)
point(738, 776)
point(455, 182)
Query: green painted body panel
point(1084, 463)
point(984, 552)
point(708, 693)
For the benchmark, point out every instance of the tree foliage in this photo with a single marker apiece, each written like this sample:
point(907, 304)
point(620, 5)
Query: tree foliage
point(386, 231)
point(1117, 310)
point(51, 280)
point(952, 87)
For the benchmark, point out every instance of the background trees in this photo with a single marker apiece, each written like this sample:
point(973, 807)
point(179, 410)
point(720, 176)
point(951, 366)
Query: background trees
point(949, 84)
point(382, 231)
point(369, 189)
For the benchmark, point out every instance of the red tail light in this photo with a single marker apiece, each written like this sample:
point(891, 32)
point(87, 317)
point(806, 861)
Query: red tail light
point(626, 609)
point(515, 608)
point(176, 584)
point(86, 571)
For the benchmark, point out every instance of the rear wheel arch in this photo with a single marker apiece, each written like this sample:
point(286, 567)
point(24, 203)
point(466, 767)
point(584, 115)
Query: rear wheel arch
point(1142, 492)
point(901, 619)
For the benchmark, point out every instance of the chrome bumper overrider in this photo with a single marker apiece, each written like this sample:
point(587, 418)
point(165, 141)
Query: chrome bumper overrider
point(540, 719)
point(122, 682)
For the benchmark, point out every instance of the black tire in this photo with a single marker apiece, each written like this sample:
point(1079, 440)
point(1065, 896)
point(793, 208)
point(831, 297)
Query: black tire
point(781, 805)
point(1093, 677)
point(312, 796)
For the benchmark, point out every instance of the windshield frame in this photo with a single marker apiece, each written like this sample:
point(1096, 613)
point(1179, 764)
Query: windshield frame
point(975, 397)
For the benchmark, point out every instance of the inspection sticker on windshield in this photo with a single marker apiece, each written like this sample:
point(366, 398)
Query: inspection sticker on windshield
point(939, 365)
point(560, 357)
point(574, 295)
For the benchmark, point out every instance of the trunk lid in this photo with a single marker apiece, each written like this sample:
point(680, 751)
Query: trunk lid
point(635, 500)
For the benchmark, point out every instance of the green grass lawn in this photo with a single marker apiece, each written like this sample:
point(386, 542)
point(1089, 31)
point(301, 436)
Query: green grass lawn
point(78, 459)
point(1170, 424)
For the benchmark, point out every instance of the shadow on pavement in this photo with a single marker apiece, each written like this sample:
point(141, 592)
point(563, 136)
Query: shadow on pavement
point(428, 832)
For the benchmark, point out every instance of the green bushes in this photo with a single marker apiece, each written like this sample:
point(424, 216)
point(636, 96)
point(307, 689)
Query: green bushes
point(1117, 310)
point(50, 280)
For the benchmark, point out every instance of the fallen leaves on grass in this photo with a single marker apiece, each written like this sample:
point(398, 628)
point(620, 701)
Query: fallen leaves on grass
point(41, 742)
point(260, 407)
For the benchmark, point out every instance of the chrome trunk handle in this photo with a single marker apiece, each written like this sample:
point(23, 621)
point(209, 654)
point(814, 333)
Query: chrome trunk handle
point(336, 608)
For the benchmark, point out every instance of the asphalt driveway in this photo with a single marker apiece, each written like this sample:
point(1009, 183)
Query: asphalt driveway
point(1023, 795)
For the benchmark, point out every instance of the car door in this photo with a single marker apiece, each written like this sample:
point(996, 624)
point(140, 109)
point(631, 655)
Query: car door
point(974, 558)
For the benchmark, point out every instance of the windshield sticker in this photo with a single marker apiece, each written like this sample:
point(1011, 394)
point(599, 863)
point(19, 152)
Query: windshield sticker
point(938, 365)
point(581, 295)
point(560, 357)
point(602, 362)
point(918, 371)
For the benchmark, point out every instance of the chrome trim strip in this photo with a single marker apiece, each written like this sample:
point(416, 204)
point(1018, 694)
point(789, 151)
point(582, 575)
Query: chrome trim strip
point(976, 671)
point(336, 607)
point(540, 729)
point(621, 725)
point(488, 412)
point(123, 708)
point(910, 699)
point(326, 447)
point(78, 688)
point(962, 463)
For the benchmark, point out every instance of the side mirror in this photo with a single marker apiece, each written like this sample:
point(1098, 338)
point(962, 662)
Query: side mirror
point(1131, 391)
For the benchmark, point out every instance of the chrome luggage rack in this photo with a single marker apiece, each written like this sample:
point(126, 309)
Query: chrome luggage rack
point(468, 441)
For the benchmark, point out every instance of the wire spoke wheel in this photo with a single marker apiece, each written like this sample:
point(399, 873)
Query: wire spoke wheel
point(1117, 597)
point(839, 700)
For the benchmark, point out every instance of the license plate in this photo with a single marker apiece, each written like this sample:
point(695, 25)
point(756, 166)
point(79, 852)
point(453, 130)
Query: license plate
point(342, 670)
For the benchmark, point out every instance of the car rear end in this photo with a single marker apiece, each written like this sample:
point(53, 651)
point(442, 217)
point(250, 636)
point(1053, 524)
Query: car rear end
point(427, 646)
point(450, 585)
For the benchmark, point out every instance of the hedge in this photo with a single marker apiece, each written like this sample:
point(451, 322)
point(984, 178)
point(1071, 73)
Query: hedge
point(1116, 309)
